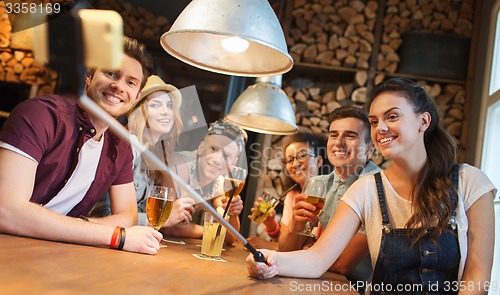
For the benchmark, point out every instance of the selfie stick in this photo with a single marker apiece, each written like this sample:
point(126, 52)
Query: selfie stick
point(121, 131)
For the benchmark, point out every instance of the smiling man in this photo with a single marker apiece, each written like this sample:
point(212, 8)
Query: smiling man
point(57, 161)
point(349, 149)
point(222, 148)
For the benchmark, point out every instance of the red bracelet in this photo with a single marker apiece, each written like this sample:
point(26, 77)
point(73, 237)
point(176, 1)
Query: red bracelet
point(115, 238)
point(122, 238)
point(275, 231)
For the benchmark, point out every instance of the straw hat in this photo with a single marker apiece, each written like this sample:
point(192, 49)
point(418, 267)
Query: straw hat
point(155, 83)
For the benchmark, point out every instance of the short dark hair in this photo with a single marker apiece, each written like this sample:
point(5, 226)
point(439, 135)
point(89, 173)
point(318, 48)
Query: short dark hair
point(315, 141)
point(352, 112)
point(138, 51)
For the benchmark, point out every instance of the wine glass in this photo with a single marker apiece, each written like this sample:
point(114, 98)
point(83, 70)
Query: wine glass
point(315, 190)
point(159, 202)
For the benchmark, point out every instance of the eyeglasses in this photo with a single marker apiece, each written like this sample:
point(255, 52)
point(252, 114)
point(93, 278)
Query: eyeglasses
point(301, 157)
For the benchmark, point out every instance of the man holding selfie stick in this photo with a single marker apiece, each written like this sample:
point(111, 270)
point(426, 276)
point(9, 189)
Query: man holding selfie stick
point(57, 161)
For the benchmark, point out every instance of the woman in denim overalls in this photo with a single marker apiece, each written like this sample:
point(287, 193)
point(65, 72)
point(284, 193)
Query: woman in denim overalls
point(421, 265)
point(429, 223)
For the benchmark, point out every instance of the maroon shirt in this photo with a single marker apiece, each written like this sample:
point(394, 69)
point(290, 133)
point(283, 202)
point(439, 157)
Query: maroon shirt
point(52, 129)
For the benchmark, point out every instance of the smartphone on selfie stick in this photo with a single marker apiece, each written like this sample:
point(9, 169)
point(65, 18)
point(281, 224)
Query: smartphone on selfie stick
point(72, 41)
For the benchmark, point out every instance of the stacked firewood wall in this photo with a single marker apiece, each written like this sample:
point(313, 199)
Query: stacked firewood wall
point(429, 16)
point(17, 65)
point(333, 33)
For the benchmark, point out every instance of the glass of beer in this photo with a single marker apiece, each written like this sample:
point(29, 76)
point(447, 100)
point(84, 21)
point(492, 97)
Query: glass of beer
point(315, 190)
point(234, 182)
point(264, 207)
point(228, 185)
point(159, 204)
point(213, 236)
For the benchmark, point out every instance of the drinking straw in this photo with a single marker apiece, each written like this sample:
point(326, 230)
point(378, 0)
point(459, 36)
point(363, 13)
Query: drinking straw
point(121, 131)
point(212, 242)
point(231, 197)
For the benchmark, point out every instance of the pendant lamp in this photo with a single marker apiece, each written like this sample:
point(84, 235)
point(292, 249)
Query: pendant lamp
point(264, 108)
point(233, 37)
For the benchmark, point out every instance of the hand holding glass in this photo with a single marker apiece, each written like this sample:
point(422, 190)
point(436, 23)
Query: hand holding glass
point(315, 190)
point(159, 205)
point(264, 207)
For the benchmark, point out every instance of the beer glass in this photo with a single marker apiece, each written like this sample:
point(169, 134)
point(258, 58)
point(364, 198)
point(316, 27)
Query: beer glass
point(315, 190)
point(159, 202)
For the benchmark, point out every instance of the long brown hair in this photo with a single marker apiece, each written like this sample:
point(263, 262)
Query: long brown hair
point(431, 195)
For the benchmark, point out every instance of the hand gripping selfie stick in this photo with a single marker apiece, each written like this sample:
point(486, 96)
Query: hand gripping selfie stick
point(121, 131)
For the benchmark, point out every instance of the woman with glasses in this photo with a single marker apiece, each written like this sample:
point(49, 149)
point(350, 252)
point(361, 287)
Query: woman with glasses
point(303, 154)
point(349, 149)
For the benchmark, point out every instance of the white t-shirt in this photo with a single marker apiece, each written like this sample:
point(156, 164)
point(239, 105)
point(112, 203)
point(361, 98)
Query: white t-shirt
point(81, 179)
point(362, 198)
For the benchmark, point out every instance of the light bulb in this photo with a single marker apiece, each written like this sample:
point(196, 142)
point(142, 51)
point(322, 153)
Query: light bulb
point(234, 44)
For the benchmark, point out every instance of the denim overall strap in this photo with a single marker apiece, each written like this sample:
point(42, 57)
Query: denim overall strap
point(381, 198)
point(454, 197)
point(386, 230)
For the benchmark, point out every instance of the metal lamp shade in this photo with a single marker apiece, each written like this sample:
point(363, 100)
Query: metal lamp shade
point(196, 35)
point(264, 108)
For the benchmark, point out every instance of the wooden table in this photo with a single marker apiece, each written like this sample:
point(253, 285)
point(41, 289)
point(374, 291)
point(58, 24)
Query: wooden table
point(31, 266)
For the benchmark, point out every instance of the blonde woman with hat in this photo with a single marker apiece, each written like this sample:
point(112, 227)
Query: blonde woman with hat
point(156, 122)
point(156, 117)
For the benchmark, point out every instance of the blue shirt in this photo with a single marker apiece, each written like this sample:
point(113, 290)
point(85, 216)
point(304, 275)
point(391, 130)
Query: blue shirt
point(336, 189)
